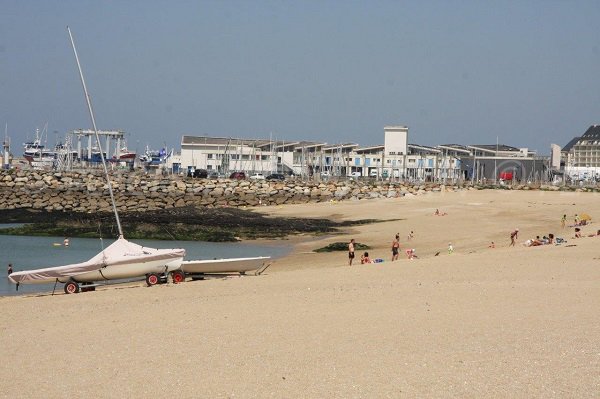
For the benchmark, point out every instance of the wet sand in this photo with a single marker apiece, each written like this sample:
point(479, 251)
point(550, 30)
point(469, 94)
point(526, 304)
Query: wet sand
point(480, 322)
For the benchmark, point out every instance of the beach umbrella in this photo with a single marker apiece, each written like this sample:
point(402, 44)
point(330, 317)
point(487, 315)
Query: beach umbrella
point(585, 216)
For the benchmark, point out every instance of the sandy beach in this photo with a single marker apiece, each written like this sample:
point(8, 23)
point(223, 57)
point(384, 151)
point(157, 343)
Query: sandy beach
point(480, 322)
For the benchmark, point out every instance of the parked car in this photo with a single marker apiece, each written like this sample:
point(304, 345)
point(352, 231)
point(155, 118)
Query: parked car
point(238, 175)
point(198, 173)
point(355, 175)
point(325, 173)
point(373, 173)
point(257, 176)
point(216, 175)
point(276, 176)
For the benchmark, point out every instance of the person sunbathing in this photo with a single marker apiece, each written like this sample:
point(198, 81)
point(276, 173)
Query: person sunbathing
point(536, 242)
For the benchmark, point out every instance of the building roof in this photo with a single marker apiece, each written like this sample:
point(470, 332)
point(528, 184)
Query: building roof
point(494, 147)
point(593, 133)
point(570, 144)
point(232, 141)
point(208, 140)
point(369, 149)
point(340, 146)
point(424, 148)
point(309, 144)
point(455, 147)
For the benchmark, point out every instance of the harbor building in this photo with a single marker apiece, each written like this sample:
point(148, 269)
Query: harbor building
point(395, 159)
point(495, 162)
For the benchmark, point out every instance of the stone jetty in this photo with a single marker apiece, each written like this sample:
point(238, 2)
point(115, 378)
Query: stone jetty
point(88, 191)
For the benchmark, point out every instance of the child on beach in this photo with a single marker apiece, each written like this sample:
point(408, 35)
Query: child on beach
point(411, 254)
point(364, 258)
point(513, 237)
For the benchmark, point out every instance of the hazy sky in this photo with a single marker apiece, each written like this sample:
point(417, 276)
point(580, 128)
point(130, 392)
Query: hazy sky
point(461, 72)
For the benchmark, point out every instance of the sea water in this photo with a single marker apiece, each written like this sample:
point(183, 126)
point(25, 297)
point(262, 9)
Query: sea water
point(27, 253)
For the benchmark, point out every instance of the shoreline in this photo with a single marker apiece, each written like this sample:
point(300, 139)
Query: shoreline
point(507, 321)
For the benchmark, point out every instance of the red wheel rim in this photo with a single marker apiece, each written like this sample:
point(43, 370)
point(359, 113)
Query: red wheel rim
point(153, 280)
point(178, 277)
point(71, 288)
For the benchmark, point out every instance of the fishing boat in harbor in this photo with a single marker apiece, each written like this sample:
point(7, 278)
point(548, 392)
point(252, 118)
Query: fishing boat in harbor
point(33, 150)
point(126, 155)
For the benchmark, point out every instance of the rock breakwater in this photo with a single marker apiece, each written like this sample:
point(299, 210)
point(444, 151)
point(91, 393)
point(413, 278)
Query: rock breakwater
point(88, 192)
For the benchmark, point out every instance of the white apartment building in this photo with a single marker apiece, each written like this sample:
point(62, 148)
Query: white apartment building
point(394, 159)
point(582, 156)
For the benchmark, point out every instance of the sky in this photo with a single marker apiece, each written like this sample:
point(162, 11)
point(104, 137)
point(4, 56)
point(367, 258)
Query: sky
point(523, 73)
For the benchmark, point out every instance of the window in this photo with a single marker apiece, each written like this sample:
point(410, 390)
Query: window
point(209, 156)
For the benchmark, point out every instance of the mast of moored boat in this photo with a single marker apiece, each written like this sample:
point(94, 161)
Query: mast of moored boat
point(89, 104)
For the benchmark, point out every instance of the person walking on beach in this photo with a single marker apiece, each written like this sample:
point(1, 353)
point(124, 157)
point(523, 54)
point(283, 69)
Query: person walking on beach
point(563, 221)
point(513, 237)
point(9, 269)
point(350, 252)
point(395, 247)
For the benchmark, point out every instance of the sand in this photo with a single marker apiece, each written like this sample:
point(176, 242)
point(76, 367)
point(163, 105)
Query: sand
point(480, 322)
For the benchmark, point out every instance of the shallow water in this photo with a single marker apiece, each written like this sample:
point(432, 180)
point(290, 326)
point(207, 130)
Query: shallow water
point(26, 252)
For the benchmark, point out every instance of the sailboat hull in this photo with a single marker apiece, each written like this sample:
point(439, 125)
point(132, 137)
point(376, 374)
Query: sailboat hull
point(230, 265)
point(126, 271)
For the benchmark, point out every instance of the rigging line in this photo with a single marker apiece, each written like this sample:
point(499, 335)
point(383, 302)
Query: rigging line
point(89, 104)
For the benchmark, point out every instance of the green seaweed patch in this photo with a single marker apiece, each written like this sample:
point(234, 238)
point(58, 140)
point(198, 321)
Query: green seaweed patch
point(342, 246)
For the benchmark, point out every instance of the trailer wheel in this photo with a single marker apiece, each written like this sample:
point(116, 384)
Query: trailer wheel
point(178, 276)
point(152, 279)
point(71, 287)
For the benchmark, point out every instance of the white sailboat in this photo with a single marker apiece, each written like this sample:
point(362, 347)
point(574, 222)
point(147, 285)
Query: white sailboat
point(227, 265)
point(121, 259)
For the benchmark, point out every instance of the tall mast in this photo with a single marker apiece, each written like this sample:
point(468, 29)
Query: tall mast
point(89, 104)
